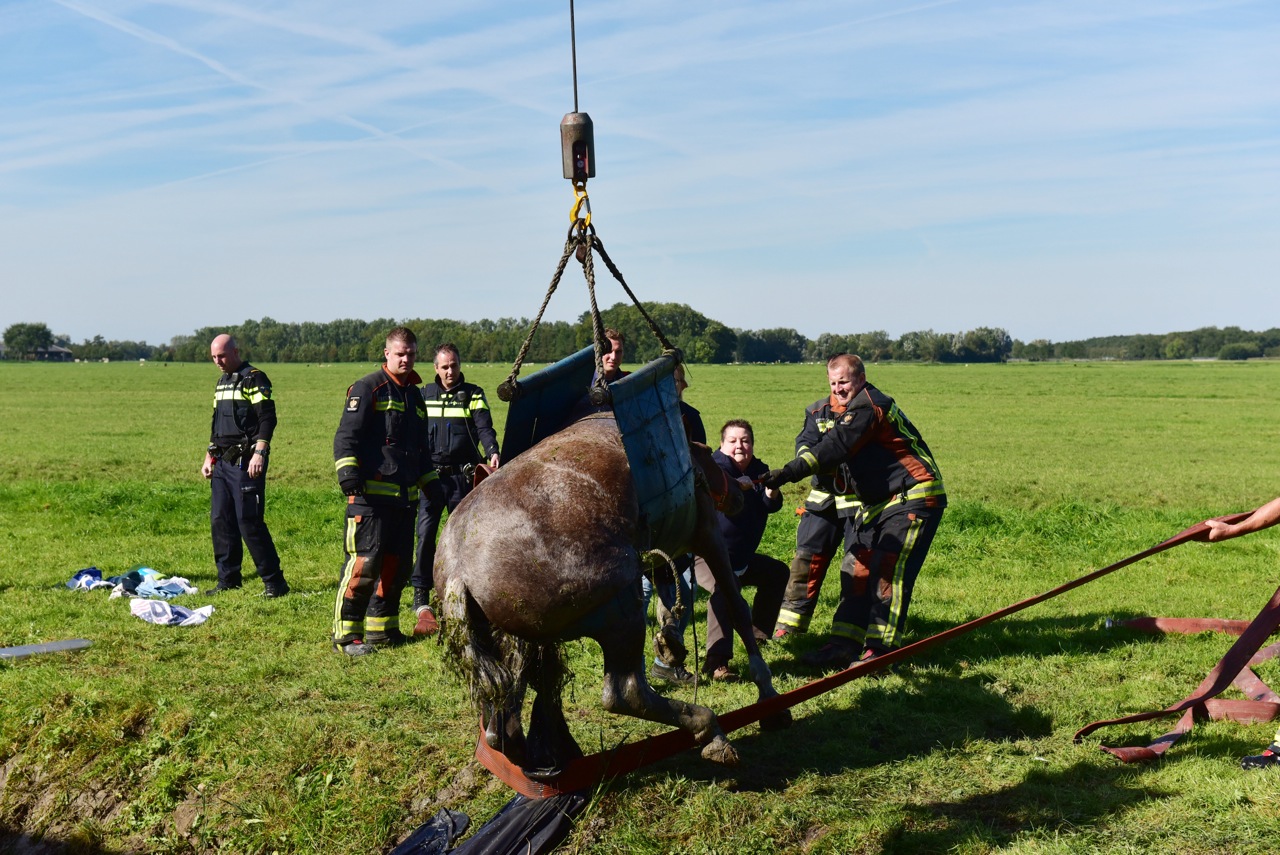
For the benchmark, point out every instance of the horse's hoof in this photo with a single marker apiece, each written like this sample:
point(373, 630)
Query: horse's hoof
point(777, 721)
point(718, 750)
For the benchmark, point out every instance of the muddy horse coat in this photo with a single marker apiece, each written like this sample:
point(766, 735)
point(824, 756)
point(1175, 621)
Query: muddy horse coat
point(545, 551)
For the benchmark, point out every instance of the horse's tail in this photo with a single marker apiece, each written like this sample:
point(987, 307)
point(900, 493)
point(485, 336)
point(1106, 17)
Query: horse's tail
point(488, 660)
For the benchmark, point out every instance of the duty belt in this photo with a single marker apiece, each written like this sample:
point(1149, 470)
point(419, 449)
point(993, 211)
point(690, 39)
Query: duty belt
point(466, 469)
point(230, 453)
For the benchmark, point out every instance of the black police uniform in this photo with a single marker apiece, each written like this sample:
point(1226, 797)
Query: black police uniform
point(243, 415)
point(458, 420)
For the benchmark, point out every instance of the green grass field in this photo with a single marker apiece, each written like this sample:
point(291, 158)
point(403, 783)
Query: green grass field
point(247, 734)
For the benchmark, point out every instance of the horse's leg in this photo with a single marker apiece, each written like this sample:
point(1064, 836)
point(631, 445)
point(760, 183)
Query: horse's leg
point(708, 544)
point(668, 643)
point(627, 692)
point(551, 745)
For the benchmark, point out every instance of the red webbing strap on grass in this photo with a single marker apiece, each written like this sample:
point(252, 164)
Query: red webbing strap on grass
point(588, 771)
point(1232, 670)
point(1184, 626)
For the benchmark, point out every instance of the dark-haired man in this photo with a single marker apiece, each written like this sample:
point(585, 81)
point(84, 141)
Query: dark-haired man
point(458, 420)
point(381, 457)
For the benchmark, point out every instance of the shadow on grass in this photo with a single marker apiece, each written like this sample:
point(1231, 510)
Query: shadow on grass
point(928, 719)
point(16, 843)
point(893, 721)
point(956, 699)
point(1010, 636)
point(1065, 800)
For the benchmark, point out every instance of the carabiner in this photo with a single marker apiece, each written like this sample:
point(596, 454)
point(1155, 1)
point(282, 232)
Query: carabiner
point(580, 200)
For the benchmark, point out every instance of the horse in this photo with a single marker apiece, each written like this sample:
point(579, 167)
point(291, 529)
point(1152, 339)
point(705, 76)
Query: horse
point(547, 550)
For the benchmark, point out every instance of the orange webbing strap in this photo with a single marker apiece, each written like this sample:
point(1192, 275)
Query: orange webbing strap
point(588, 771)
point(1232, 670)
point(1183, 626)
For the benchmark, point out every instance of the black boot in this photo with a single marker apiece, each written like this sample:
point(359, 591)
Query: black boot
point(1269, 757)
point(276, 589)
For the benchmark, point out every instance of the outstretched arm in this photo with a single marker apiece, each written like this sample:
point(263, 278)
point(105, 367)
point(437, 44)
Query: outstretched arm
point(1264, 517)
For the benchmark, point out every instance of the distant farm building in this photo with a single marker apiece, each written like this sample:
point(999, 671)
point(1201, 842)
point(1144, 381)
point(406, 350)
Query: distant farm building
point(52, 353)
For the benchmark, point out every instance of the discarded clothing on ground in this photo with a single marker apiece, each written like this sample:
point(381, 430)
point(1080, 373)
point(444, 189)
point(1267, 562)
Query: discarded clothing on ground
point(165, 588)
point(140, 582)
point(87, 579)
point(161, 612)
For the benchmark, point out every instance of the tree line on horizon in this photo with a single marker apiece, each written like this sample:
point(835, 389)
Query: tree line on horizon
point(702, 339)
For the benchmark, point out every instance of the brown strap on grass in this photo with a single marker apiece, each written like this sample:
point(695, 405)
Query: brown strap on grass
point(1233, 669)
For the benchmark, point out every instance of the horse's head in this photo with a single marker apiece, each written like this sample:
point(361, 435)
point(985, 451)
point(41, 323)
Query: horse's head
point(724, 491)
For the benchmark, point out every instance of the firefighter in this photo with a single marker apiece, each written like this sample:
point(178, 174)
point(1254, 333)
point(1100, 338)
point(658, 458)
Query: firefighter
point(244, 419)
point(826, 519)
point(458, 420)
point(887, 464)
point(381, 457)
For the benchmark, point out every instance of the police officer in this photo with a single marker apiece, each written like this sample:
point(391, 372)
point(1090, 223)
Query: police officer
point(825, 520)
point(892, 472)
point(381, 457)
point(458, 420)
point(244, 419)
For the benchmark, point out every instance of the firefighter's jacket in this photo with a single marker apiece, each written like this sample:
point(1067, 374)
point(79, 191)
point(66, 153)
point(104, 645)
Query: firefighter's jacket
point(881, 452)
point(382, 439)
point(458, 420)
point(243, 411)
point(826, 490)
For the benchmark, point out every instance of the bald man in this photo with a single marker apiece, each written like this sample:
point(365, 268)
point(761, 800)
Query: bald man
point(244, 418)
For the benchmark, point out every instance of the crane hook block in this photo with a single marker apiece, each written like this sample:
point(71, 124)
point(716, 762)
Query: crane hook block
point(578, 147)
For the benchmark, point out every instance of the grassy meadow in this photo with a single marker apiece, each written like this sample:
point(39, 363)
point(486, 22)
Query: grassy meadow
point(248, 735)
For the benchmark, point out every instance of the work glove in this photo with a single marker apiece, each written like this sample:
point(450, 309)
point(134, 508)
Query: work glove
point(793, 471)
point(351, 484)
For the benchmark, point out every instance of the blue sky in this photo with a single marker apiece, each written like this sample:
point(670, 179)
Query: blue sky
point(1059, 169)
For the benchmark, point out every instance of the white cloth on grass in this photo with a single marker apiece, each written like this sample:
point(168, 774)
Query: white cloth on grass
point(161, 612)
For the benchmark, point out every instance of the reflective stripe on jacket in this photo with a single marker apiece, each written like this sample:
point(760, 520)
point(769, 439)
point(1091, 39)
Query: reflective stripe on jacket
point(382, 436)
point(242, 407)
point(458, 420)
point(826, 490)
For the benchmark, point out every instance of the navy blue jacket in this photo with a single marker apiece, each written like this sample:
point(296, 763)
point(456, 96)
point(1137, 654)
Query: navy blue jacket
point(743, 530)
